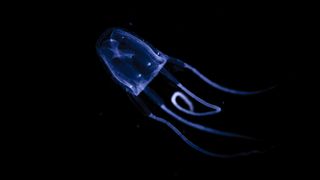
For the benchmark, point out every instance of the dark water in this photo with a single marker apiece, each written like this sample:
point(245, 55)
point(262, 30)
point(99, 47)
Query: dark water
point(85, 123)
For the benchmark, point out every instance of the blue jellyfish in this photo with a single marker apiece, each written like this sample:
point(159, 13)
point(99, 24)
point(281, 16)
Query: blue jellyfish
point(133, 64)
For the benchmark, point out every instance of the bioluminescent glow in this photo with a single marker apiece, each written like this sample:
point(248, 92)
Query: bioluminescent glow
point(134, 63)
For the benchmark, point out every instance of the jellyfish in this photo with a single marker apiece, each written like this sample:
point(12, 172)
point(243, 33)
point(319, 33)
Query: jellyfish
point(133, 64)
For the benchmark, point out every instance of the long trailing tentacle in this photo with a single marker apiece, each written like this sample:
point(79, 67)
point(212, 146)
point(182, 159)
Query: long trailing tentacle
point(157, 100)
point(216, 109)
point(147, 112)
point(212, 83)
point(190, 111)
point(196, 147)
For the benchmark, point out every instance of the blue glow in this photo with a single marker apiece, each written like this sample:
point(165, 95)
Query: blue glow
point(134, 63)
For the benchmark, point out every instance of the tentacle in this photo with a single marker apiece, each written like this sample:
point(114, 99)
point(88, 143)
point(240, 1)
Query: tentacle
point(212, 83)
point(157, 100)
point(190, 105)
point(216, 108)
point(203, 102)
point(196, 147)
point(186, 100)
point(139, 104)
point(202, 127)
point(147, 112)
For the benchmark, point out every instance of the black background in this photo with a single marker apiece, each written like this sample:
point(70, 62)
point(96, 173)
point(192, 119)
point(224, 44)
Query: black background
point(83, 123)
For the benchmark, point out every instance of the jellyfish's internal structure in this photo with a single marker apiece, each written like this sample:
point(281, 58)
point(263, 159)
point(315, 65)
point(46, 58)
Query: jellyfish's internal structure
point(133, 64)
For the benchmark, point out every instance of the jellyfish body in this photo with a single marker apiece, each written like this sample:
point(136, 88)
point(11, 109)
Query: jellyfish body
point(134, 63)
